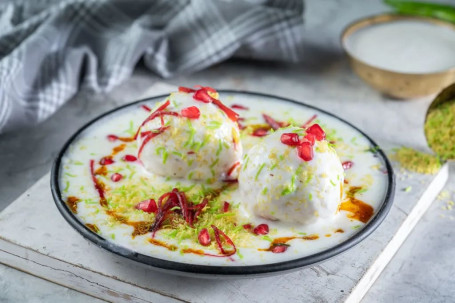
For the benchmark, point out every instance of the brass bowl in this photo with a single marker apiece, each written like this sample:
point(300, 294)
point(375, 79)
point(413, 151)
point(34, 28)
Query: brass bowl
point(396, 84)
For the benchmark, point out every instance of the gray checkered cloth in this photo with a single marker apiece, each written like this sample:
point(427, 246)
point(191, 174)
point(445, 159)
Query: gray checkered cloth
point(50, 49)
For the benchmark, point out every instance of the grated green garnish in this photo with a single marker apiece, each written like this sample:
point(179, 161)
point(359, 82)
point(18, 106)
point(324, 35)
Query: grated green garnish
point(78, 163)
point(220, 147)
point(214, 125)
point(178, 154)
point(265, 190)
point(70, 175)
point(190, 175)
point(407, 189)
point(417, 161)
point(440, 129)
point(259, 171)
point(67, 186)
point(224, 215)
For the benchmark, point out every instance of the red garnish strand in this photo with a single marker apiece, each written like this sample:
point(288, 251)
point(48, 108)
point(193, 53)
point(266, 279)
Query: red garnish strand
point(218, 233)
point(199, 207)
point(149, 137)
point(106, 160)
point(151, 117)
point(229, 112)
point(237, 106)
point(306, 124)
point(226, 206)
point(98, 186)
point(202, 95)
point(116, 177)
point(207, 88)
point(231, 169)
point(191, 152)
point(186, 89)
point(305, 151)
point(261, 229)
point(347, 164)
point(146, 107)
point(191, 112)
point(129, 158)
point(309, 138)
point(183, 204)
point(273, 123)
point(317, 131)
point(291, 139)
point(278, 249)
point(204, 237)
point(149, 206)
point(112, 138)
point(260, 132)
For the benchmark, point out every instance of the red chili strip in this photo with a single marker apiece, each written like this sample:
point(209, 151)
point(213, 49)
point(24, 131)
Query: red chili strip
point(218, 233)
point(231, 169)
point(238, 106)
point(146, 107)
point(149, 137)
point(151, 117)
point(260, 132)
point(306, 124)
point(186, 89)
point(203, 96)
point(99, 188)
point(274, 123)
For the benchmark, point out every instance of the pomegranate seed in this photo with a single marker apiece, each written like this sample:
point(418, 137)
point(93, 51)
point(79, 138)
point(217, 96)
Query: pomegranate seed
point(106, 161)
point(247, 226)
point(237, 106)
point(305, 151)
point(317, 131)
point(146, 108)
point(129, 158)
point(226, 206)
point(148, 206)
point(261, 229)
point(260, 132)
point(278, 249)
point(204, 237)
point(309, 138)
point(116, 177)
point(202, 95)
point(290, 139)
point(347, 164)
point(191, 112)
point(186, 89)
point(112, 138)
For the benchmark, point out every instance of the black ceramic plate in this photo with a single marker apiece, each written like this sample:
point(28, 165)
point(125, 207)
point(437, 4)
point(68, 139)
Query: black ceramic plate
point(217, 271)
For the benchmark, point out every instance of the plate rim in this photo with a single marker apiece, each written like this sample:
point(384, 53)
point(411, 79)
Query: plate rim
point(217, 270)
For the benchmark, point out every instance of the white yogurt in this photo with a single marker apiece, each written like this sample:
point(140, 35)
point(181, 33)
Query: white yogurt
point(75, 180)
point(405, 46)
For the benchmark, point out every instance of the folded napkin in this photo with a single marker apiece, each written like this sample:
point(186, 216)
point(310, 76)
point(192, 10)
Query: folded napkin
point(49, 49)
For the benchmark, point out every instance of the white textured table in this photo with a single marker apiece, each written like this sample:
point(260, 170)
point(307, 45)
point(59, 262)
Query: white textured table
point(323, 80)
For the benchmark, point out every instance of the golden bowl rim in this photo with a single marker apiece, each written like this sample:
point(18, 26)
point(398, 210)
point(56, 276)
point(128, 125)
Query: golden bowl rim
point(364, 22)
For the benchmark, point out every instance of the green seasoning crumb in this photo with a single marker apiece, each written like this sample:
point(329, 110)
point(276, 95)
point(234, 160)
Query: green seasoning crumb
point(67, 183)
point(407, 189)
point(214, 125)
point(267, 238)
point(373, 149)
point(165, 155)
point(292, 187)
point(131, 130)
point(310, 196)
point(416, 161)
point(265, 190)
point(70, 175)
point(440, 129)
point(259, 171)
point(178, 154)
point(78, 163)
point(220, 147)
point(356, 227)
point(246, 162)
point(113, 236)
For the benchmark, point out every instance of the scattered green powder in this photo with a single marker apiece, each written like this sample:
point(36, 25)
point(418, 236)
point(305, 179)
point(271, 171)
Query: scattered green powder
point(416, 161)
point(440, 129)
